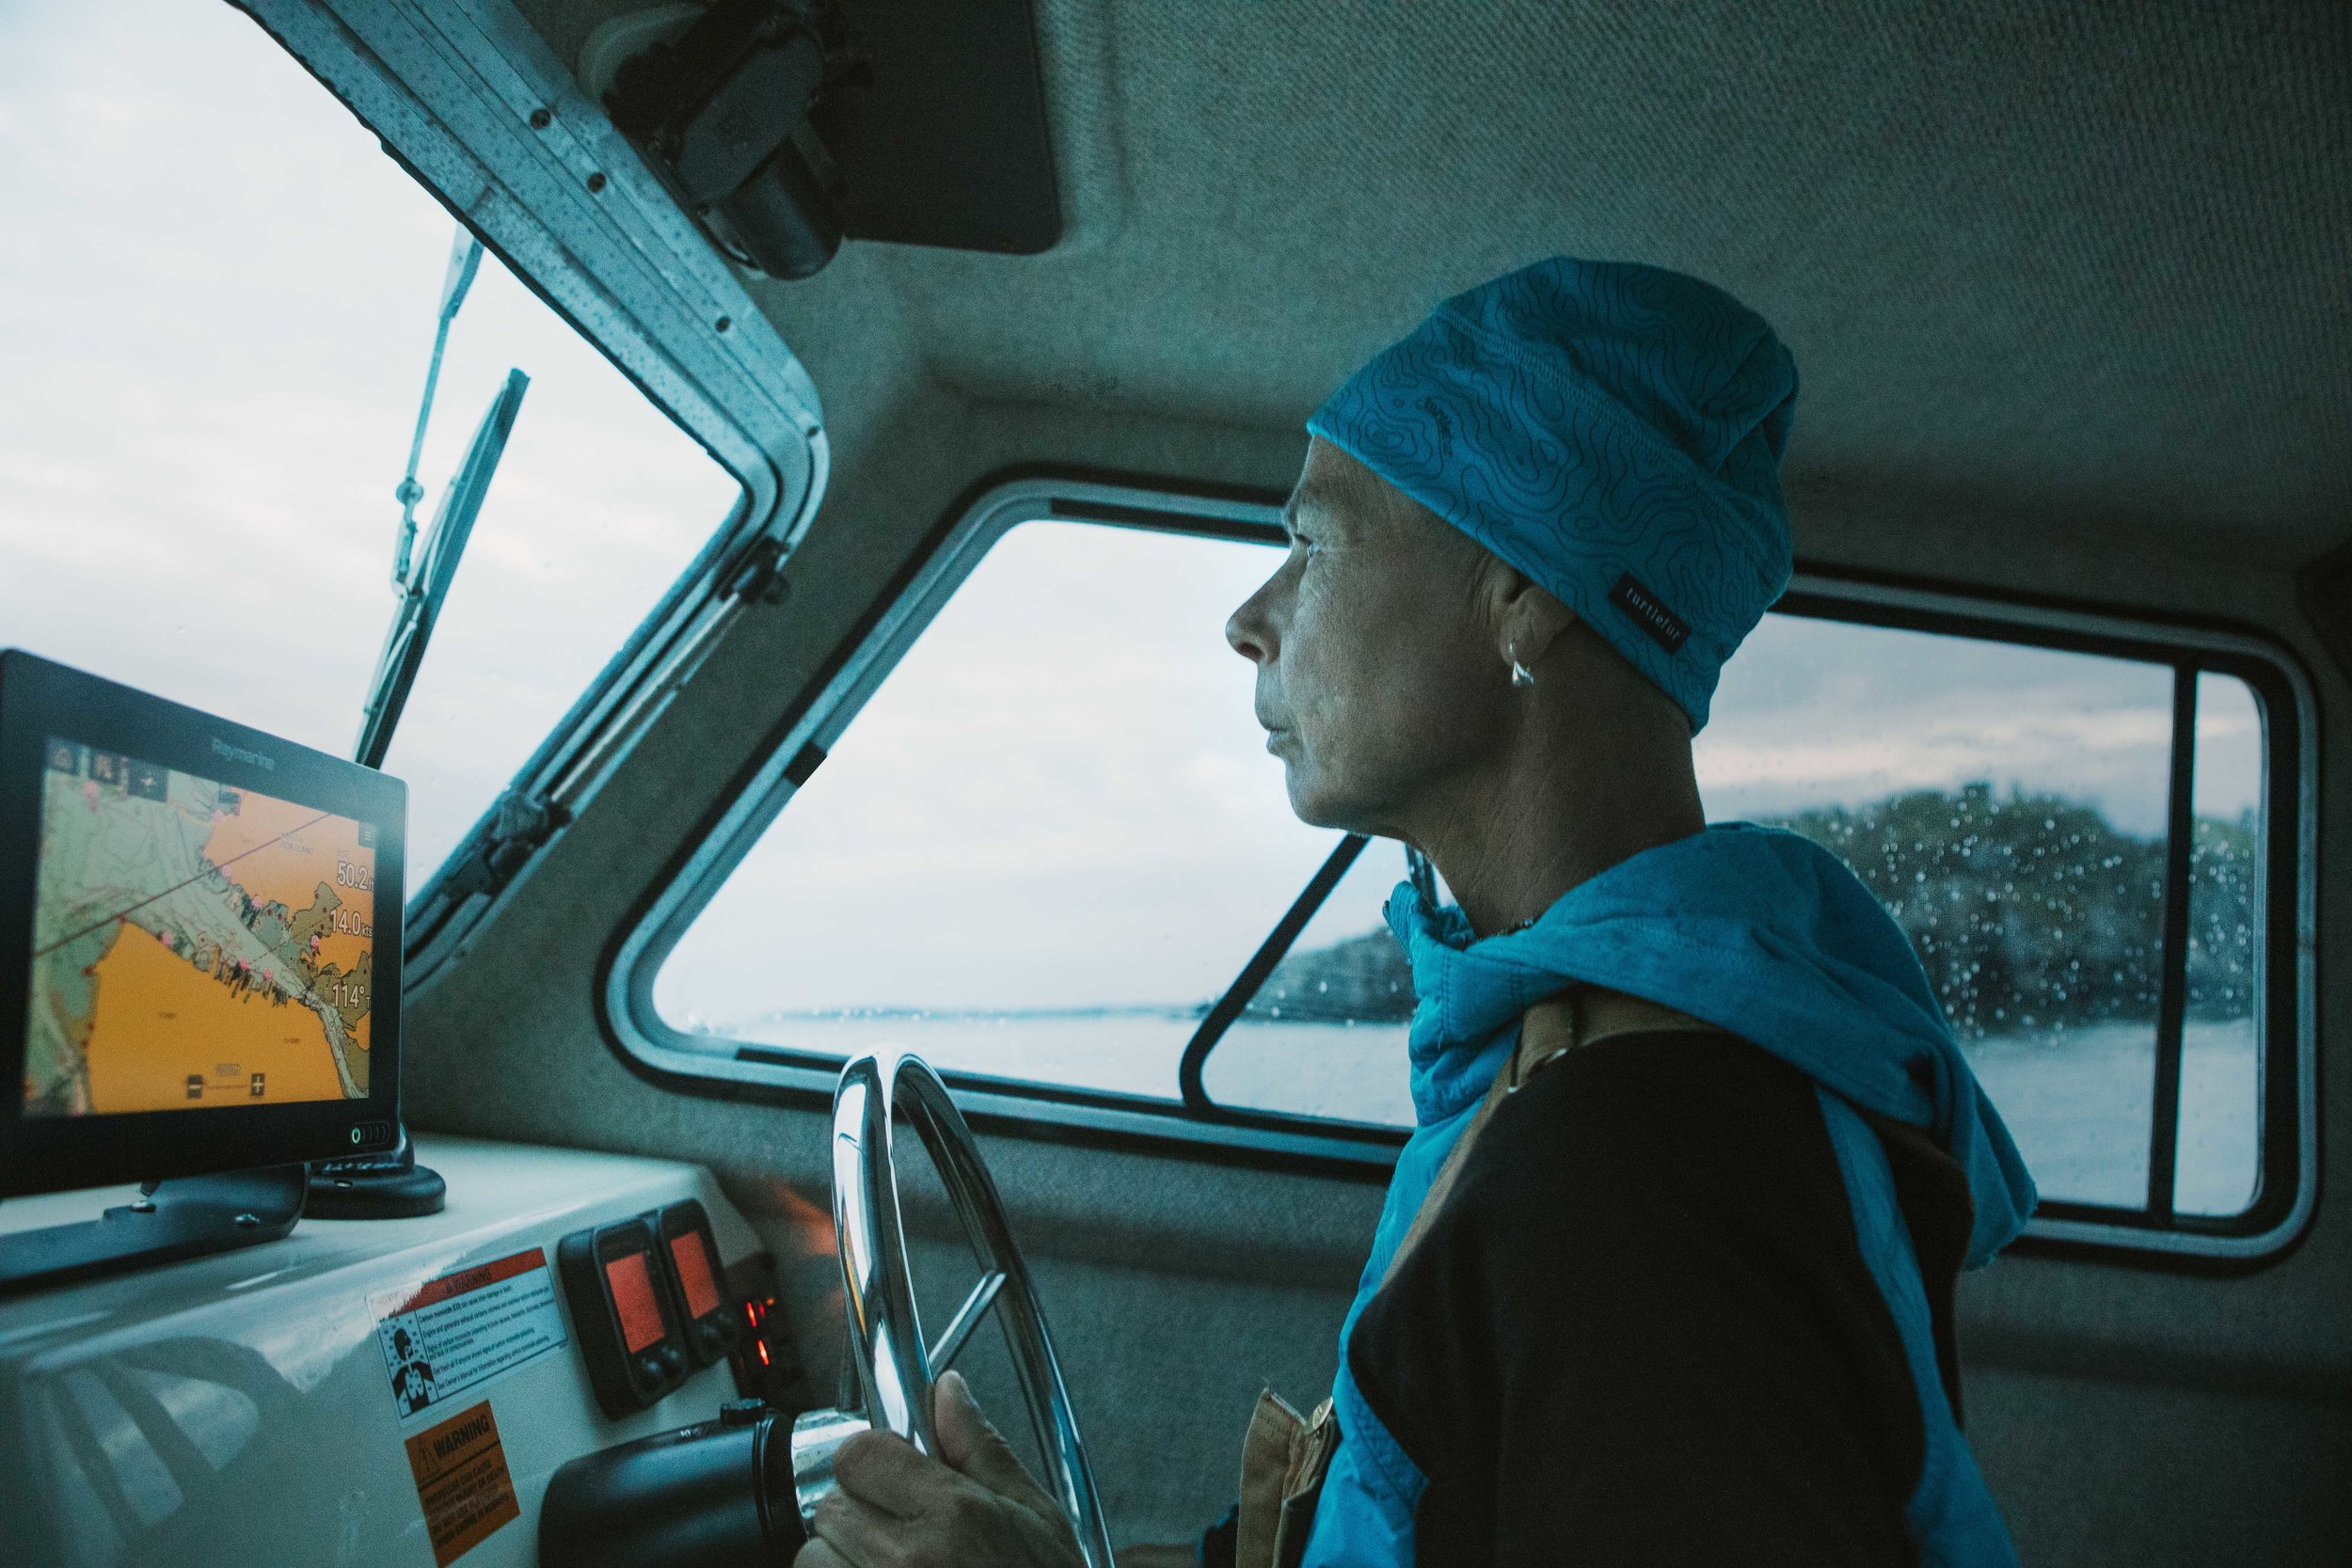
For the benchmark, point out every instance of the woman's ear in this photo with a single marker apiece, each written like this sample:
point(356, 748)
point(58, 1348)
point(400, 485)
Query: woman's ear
point(1528, 621)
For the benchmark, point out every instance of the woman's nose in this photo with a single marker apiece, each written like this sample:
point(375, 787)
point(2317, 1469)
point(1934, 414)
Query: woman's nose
point(1245, 631)
point(1238, 634)
point(1249, 630)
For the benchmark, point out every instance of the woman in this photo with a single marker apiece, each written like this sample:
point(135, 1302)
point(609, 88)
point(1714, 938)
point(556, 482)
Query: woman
point(1666, 1271)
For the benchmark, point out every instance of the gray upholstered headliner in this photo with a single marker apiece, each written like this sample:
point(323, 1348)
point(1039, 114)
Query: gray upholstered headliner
point(2085, 258)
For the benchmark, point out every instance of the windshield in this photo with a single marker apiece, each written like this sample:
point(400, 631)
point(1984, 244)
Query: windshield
point(217, 298)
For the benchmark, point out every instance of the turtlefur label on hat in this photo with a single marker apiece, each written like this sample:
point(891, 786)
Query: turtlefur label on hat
point(1645, 611)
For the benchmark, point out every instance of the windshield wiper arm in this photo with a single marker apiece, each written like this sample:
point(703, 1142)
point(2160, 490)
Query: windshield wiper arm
point(464, 259)
point(423, 590)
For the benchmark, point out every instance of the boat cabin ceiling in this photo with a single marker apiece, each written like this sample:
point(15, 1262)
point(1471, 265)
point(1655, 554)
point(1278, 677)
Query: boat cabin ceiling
point(2073, 268)
point(2066, 289)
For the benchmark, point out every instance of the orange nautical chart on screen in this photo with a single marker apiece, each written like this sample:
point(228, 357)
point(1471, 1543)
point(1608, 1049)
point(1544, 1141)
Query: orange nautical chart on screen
point(194, 944)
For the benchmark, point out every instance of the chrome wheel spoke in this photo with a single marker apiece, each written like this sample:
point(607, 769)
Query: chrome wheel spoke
point(967, 1318)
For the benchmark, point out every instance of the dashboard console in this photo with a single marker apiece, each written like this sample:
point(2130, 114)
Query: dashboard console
point(393, 1392)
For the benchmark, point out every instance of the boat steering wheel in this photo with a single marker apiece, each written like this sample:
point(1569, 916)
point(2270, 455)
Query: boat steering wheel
point(893, 1366)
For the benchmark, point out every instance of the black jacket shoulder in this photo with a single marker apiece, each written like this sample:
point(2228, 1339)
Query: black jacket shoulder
point(1642, 1331)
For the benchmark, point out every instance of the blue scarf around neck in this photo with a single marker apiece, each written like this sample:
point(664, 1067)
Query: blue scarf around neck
point(1756, 930)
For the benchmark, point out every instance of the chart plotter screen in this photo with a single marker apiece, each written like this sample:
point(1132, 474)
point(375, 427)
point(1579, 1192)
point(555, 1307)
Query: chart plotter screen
point(194, 944)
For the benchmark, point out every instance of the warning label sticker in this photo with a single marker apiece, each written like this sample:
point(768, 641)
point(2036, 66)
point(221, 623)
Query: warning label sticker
point(448, 1335)
point(462, 1483)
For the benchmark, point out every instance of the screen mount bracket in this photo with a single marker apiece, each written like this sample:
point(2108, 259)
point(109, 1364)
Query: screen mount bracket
point(186, 1217)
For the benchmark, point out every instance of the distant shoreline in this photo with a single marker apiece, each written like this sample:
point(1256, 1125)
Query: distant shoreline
point(970, 1015)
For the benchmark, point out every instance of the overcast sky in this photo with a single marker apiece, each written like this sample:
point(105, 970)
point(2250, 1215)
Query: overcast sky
point(218, 305)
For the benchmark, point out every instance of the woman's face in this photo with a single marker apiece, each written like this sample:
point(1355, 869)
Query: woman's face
point(1378, 677)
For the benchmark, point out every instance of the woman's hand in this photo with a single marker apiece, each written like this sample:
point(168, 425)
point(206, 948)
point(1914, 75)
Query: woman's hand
point(972, 1507)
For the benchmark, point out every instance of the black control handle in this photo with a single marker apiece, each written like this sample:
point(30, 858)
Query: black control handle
point(715, 1495)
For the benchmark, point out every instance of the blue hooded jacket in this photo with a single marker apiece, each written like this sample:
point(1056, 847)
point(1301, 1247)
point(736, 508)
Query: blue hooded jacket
point(1769, 936)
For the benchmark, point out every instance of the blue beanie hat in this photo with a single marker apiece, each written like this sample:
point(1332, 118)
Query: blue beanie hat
point(1614, 432)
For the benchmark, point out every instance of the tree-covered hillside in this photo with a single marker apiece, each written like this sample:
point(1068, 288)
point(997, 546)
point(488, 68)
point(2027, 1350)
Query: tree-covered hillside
point(2030, 915)
point(1364, 978)
point(2033, 913)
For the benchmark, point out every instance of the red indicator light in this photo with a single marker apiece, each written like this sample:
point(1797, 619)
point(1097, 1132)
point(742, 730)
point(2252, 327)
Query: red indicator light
point(631, 1283)
point(693, 1274)
point(763, 1351)
point(752, 1313)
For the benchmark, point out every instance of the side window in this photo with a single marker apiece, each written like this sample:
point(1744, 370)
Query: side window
point(2222, 1063)
point(2013, 808)
point(1041, 850)
point(2008, 806)
point(1324, 1035)
point(1050, 848)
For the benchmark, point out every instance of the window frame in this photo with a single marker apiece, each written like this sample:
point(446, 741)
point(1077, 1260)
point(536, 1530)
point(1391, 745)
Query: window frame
point(2288, 1148)
point(473, 103)
point(1190, 1125)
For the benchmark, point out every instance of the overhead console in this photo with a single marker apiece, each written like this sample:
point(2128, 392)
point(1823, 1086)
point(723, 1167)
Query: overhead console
point(785, 126)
